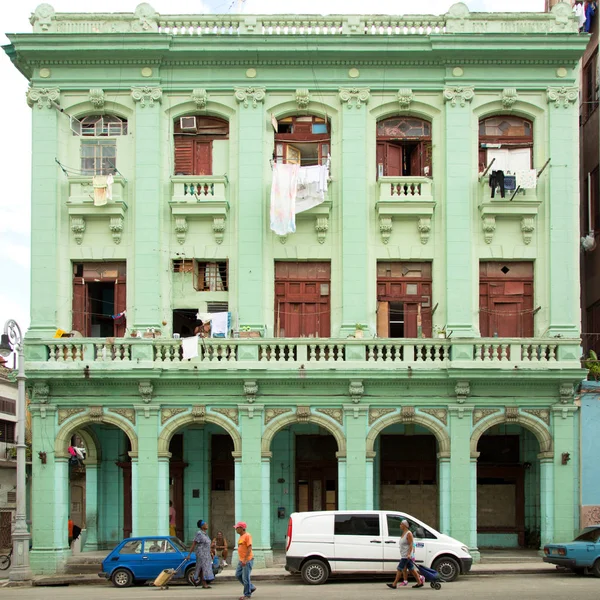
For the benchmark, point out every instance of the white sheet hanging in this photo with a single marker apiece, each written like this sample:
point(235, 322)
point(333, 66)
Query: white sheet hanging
point(190, 347)
point(312, 187)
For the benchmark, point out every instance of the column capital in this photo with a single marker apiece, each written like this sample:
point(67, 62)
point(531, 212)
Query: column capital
point(42, 410)
point(356, 411)
point(562, 96)
point(251, 410)
point(250, 95)
point(459, 95)
point(355, 97)
point(43, 97)
point(146, 96)
point(564, 410)
point(147, 411)
point(461, 410)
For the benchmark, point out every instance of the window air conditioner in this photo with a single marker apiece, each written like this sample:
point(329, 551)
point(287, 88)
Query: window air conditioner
point(187, 123)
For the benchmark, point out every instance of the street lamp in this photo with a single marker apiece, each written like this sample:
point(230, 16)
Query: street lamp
point(12, 339)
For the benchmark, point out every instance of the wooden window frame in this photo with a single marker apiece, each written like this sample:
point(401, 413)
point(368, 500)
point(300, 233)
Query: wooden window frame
point(199, 271)
point(505, 142)
point(285, 151)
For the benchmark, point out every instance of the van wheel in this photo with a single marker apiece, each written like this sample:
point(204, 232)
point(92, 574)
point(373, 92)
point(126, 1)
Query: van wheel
point(314, 572)
point(447, 568)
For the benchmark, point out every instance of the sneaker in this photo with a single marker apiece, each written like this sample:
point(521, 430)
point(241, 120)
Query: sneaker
point(403, 583)
point(224, 563)
point(422, 579)
point(418, 585)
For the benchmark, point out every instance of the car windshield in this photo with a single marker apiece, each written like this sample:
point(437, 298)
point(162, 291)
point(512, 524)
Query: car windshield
point(588, 535)
point(178, 544)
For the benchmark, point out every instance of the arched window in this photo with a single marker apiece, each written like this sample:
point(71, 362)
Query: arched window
point(404, 147)
point(508, 140)
point(99, 156)
point(194, 139)
point(303, 140)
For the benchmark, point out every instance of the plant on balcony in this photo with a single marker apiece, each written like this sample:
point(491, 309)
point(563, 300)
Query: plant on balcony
point(359, 330)
point(592, 364)
point(439, 331)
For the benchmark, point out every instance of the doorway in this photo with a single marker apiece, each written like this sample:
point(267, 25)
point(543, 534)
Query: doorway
point(316, 472)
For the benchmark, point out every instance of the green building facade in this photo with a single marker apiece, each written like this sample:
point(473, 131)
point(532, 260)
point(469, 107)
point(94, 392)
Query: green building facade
point(413, 345)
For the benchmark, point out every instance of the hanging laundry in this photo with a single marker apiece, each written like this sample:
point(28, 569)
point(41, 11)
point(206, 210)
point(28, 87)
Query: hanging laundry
point(100, 184)
point(189, 346)
point(204, 317)
point(220, 324)
point(120, 318)
point(510, 183)
point(527, 179)
point(312, 187)
point(283, 198)
point(109, 183)
point(579, 11)
point(589, 9)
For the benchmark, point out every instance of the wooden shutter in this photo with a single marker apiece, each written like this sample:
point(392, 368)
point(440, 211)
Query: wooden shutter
point(202, 158)
point(415, 161)
point(383, 319)
point(410, 319)
point(426, 322)
point(426, 159)
point(184, 155)
point(80, 307)
point(120, 306)
point(380, 159)
point(393, 160)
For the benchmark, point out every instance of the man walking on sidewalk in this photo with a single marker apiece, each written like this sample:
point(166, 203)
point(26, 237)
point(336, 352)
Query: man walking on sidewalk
point(246, 559)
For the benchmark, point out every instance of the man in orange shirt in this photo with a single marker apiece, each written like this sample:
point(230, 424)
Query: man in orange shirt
point(246, 557)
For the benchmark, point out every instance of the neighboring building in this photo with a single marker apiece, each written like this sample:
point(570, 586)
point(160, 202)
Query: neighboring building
point(8, 454)
point(590, 420)
point(413, 345)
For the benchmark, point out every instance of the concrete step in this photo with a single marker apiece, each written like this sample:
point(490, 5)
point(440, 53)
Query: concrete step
point(81, 568)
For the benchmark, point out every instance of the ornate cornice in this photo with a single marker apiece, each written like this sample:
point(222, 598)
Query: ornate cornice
point(354, 97)
point(43, 97)
point(563, 96)
point(146, 96)
point(249, 95)
point(459, 95)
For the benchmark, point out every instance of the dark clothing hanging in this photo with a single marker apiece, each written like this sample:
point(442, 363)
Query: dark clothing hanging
point(497, 180)
point(510, 183)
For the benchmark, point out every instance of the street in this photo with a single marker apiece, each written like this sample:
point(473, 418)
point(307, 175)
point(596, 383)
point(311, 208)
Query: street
point(551, 586)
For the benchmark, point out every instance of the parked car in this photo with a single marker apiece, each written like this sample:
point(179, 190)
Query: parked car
point(320, 544)
point(582, 555)
point(141, 559)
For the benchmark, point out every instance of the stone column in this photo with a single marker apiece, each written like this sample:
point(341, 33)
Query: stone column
point(146, 482)
point(253, 484)
point(370, 481)
point(444, 488)
point(562, 176)
point(163, 492)
point(358, 494)
point(45, 201)
point(251, 203)
point(463, 479)
point(355, 211)
point(91, 505)
point(566, 474)
point(546, 498)
point(341, 481)
point(147, 265)
point(460, 170)
point(134, 494)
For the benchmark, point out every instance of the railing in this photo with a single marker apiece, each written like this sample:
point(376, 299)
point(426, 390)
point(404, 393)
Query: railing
point(198, 188)
point(405, 188)
point(310, 352)
point(81, 190)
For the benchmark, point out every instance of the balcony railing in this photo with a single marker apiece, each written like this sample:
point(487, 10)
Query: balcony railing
point(314, 353)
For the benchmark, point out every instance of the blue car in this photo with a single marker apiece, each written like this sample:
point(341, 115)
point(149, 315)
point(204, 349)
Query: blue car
point(141, 559)
point(582, 555)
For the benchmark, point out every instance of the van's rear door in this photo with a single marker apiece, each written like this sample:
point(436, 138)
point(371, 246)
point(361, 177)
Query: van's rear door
point(358, 542)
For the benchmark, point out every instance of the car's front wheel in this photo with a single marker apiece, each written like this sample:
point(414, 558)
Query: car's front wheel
point(596, 568)
point(314, 572)
point(447, 568)
point(189, 574)
point(122, 578)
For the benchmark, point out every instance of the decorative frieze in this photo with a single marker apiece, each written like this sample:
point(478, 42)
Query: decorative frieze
point(230, 413)
point(302, 98)
point(67, 413)
point(437, 413)
point(563, 96)
point(356, 389)
point(96, 97)
point(303, 414)
point(116, 228)
point(482, 413)
point(377, 413)
point(78, 229)
point(335, 413)
point(509, 97)
point(540, 413)
point(459, 95)
point(273, 413)
point(199, 413)
point(405, 97)
point(146, 96)
point(146, 389)
point(250, 390)
point(169, 413)
point(42, 97)
point(511, 414)
point(249, 95)
point(355, 97)
point(126, 413)
point(199, 98)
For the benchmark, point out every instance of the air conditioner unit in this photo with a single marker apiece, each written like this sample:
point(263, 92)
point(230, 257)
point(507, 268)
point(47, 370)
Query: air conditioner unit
point(187, 123)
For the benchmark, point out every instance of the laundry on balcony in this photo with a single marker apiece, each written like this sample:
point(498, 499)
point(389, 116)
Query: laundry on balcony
point(189, 346)
point(527, 179)
point(220, 323)
point(102, 189)
point(295, 189)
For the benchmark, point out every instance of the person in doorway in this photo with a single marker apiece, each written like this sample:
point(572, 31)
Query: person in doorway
point(244, 568)
point(219, 548)
point(406, 564)
point(172, 519)
point(201, 546)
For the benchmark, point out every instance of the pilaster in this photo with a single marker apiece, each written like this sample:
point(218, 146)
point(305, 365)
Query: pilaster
point(444, 488)
point(355, 209)
point(91, 505)
point(459, 238)
point(45, 242)
point(146, 267)
point(251, 205)
point(563, 208)
point(358, 495)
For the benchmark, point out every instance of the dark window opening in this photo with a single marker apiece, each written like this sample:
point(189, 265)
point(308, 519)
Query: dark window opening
point(222, 462)
point(185, 321)
point(508, 141)
point(211, 277)
point(590, 87)
point(302, 140)
point(7, 432)
point(102, 307)
point(193, 143)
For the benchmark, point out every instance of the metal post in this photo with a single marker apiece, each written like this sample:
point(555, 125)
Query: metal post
point(20, 570)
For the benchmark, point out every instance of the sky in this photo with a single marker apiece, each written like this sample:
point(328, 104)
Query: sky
point(15, 117)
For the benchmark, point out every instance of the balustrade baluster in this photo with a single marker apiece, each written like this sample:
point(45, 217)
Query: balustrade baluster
point(504, 352)
point(419, 350)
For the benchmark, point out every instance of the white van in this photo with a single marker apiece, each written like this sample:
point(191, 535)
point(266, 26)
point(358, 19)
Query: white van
point(324, 543)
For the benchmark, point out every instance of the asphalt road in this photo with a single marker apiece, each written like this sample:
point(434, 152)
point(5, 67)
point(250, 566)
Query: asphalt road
point(531, 587)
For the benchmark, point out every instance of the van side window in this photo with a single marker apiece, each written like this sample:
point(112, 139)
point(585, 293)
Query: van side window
point(419, 532)
point(356, 525)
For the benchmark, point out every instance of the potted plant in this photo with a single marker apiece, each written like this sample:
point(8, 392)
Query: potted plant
point(359, 331)
point(439, 331)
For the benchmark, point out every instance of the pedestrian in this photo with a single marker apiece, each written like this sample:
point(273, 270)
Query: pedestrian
point(219, 548)
point(201, 546)
point(172, 519)
point(244, 568)
point(406, 564)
